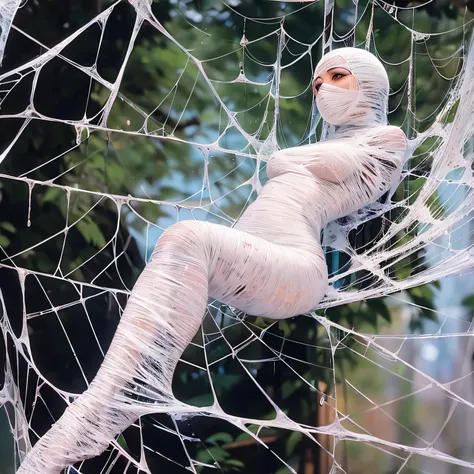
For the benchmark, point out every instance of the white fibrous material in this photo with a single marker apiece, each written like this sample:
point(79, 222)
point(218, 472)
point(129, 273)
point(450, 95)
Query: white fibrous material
point(261, 267)
point(269, 262)
point(8, 9)
point(367, 102)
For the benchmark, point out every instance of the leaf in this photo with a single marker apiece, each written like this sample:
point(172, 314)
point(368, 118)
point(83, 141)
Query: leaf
point(292, 441)
point(4, 241)
point(52, 194)
point(414, 187)
point(469, 301)
point(221, 437)
point(213, 454)
point(91, 232)
point(122, 443)
point(8, 226)
point(380, 308)
point(285, 327)
point(204, 400)
point(234, 462)
point(243, 437)
point(422, 292)
point(451, 113)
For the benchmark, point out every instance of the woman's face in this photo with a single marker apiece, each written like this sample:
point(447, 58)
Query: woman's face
point(335, 76)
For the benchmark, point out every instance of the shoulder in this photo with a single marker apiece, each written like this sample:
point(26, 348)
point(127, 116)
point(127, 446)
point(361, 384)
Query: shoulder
point(396, 135)
point(390, 137)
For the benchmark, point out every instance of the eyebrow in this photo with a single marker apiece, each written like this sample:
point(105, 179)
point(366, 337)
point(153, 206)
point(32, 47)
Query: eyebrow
point(331, 69)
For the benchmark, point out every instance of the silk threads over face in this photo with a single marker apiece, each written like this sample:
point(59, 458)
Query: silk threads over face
point(364, 104)
point(337, 105)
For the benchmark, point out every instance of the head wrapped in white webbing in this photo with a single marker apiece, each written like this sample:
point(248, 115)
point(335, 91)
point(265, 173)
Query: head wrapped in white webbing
point(367, 102)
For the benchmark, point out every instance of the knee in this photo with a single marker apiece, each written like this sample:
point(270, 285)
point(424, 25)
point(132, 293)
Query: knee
point(184, 238)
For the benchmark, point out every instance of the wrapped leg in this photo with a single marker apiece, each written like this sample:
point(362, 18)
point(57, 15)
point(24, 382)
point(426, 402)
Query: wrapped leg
point(162, 315)
point(164, 312)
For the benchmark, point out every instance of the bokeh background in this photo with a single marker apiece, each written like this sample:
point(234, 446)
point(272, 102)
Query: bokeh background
point(86, 206)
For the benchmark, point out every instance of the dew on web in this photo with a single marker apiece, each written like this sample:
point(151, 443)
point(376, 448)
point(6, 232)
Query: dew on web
point(129, 119)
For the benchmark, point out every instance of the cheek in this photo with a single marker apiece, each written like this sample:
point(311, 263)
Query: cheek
point(352, 83)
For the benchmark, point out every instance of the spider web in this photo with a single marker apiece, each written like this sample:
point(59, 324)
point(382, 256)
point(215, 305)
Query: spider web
point(196, 148)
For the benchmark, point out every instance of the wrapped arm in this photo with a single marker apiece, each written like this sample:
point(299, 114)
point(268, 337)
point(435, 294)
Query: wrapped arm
point(338, 159)
point(333, 160)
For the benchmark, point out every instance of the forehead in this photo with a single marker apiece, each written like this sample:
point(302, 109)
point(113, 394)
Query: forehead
point(329, 61)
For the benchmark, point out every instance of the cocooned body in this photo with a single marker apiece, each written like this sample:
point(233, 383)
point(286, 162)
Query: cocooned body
point(271, 263)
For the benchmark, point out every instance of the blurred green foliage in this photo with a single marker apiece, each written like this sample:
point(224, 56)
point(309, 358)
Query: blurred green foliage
point(163, 92)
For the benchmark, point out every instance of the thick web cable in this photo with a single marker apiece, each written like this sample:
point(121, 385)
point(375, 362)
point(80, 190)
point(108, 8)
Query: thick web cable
point(196, 149)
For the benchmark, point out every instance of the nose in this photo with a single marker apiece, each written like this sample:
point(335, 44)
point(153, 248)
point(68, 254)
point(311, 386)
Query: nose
point(317, 85)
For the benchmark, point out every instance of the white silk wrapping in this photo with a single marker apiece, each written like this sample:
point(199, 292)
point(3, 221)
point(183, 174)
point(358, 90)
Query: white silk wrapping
point(365, 104)
point(270, 264)
point(337, 105)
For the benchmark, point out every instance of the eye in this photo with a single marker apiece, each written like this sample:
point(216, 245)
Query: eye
point(337, 76)
point(317, 85)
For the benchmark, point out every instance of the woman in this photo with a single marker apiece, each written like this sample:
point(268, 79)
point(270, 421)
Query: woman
point(270, 264)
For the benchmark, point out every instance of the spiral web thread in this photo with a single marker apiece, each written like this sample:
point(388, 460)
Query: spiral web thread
point(227, 157)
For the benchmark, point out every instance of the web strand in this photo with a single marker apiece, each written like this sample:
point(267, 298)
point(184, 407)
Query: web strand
point(221, 107)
